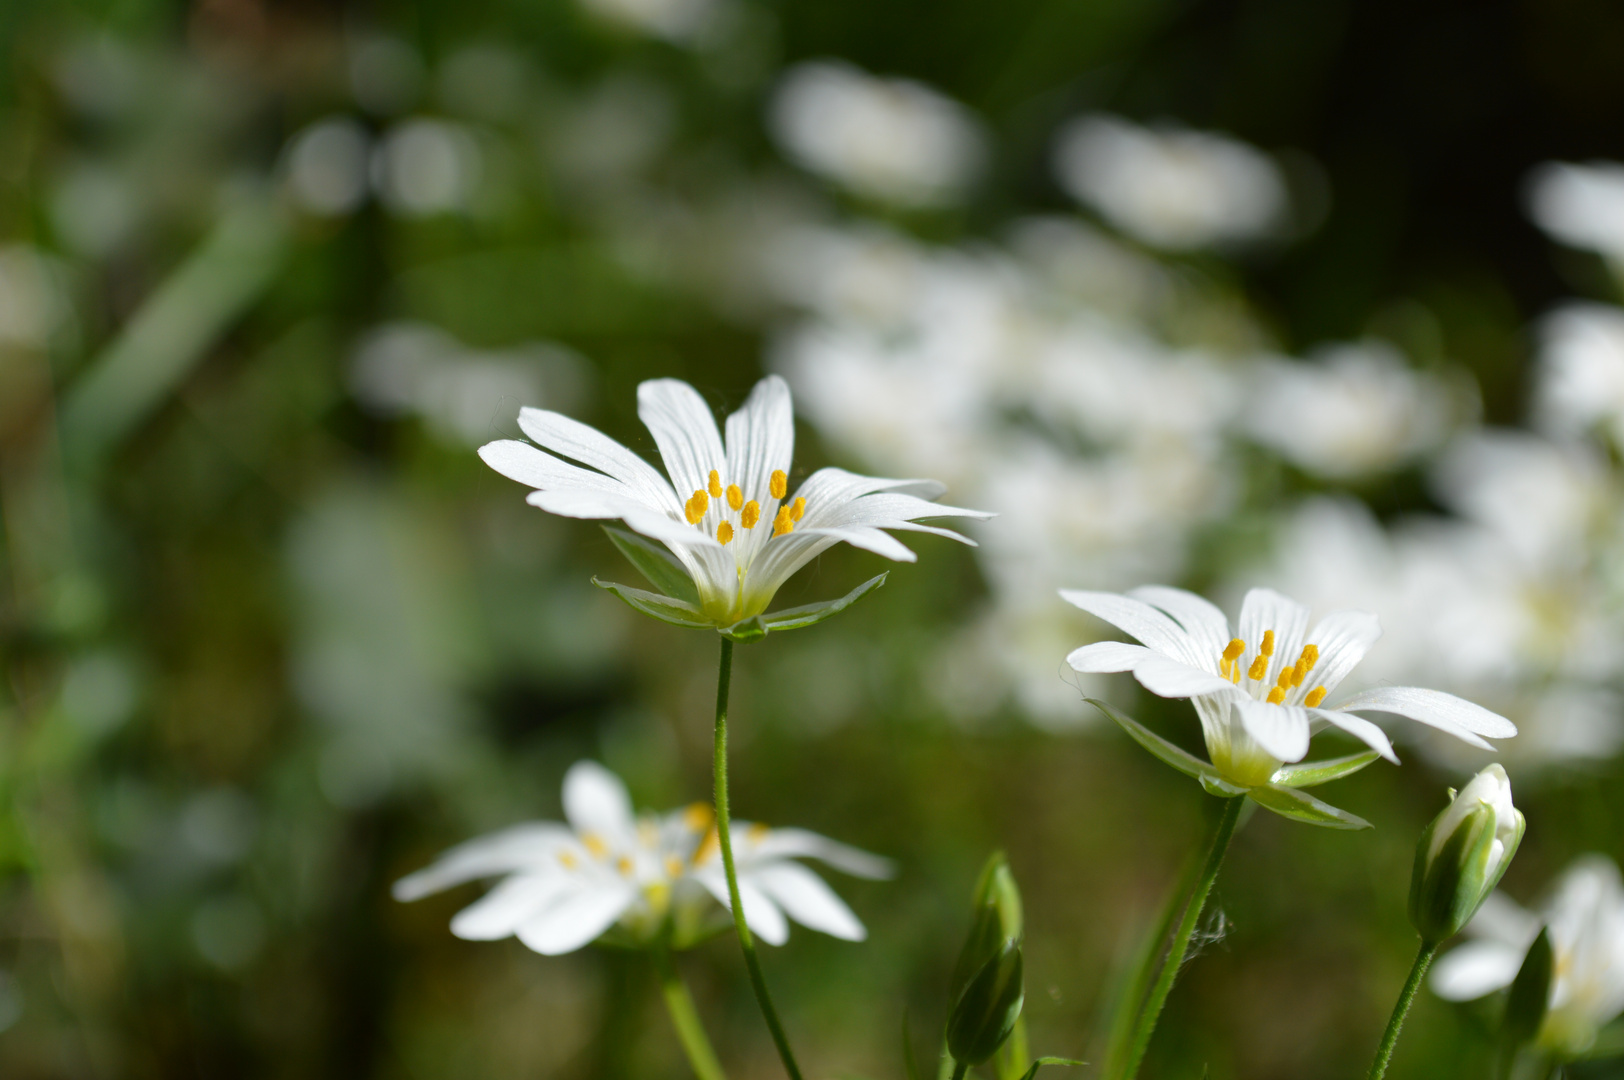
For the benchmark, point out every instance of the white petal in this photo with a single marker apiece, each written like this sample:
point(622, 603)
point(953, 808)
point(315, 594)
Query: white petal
point(684, 430)
point(1282, 730)
point(1265, 609)
point(859, 536)
point(760, 438)
point(522, 462)
point(803, 843)
point(1446, 712)
point(595, 801)
point(1502, 919)
point(501, 911)
point(1343, 637)
point(1171, 679)
point(1200, 617)
point(586, 444)
point(1108, 656)
point(519, 847)
point(760, 913)
point(808, 900)
point(1155, 628)
point(578, 917)
point(1360, 728)
point(1475, 969)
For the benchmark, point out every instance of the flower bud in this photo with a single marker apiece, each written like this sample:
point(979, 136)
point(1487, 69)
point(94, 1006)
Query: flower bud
point(986, 1012)
point(996, 922)
point(1463, 854)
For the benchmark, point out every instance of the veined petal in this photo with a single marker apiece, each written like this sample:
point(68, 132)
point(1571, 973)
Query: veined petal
point(538, 469)
point(1360, 728)
point(760, 438)
point(1169, 678)
point(684, 430)
point(1265, 609)
point(578, 917)
point(803, 843)
point(865, 537)
point(637, 516)
point(1108, 656)
point(808, 900)
point(1343, 638)
point(1153, 627)
point(834, 486)
point(1503, 919)
point(1200, 617)
point(1446, 712)
point(586, 444)
point(513, 848)
point(595, 801)
point(1282, 730)
point(501, 911)
point(1474, 969)
point(761, 914)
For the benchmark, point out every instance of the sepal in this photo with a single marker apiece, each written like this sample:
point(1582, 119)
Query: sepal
point(1304, 774)
point(655, 563)
point(1530, 996)
point(986, 1011)
point(757, 627)
point(1299, 805)
point(1462, 854)
point(997, 921)
point(664, 608)
point(1182, 760)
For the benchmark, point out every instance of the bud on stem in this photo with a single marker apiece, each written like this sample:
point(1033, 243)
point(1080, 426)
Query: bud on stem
point(1463, 854)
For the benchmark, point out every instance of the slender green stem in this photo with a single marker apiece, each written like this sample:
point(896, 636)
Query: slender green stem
point(1181, 937)
point(685, 1018)
point(959, 1069)
point(1401, 1008)
point(758, 982)
point(1131, 992)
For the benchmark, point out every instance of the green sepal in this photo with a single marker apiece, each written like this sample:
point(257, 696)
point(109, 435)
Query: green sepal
point(1530, 996)
point(1182, 760)
point(986, 1012)
point(664, 608)
point(1033, 1071)
point(1446, 889)
point(655, 563)
point(796, 617)
point(1314, 773)
point(997, 921)
point(745, 630)
point(1301, 806)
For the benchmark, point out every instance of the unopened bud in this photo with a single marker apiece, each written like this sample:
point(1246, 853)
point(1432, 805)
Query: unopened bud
point(996, 922)
point(986, 1012)
point(1463, 854)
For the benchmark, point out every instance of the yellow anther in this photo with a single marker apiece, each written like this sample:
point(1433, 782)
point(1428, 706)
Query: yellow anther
point(797, 509)
point(1311, 655)
point(698, 816)
point(783, 523)
point(624, 865)
point(715, 485)
point(758, 832)
point(751, 514)
point(1276, 696)
point(735, 497)
point(594, 843)
point(696, 507)
point(707, 847)
point(1267, 648)
point(1284, 681)
point(1297, 672)
point(1232, 651)
point(673, 866)
point(1315, 696)
point(724, 533)
point(568, 859)
point(1259, 668)
point(779, 484)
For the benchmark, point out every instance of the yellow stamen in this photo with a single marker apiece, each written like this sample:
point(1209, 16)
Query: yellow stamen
point(724, 533)
point(1315, 696)
point(751, 514)
point(1259, 668)
point(735, 497)
point(783, 523)
point(698, 816)
point(1267, 649)
point(715, 485)
point(779, 484)
point(1284, 681)
point(624, 865)
point(568, 859)
point(1232, 651)
point(1310, 654)
point(1276, 696)
point(707, 847)
point(758, 832)
point(797, 509)
point(696, 507)
point(594, 843)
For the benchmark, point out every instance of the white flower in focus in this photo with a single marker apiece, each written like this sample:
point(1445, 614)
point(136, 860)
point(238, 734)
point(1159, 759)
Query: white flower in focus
point(1170, 187)
point(1351, 411)
point(729, 519)
point(1580, 205)
point(1585, 917)
point(1580, 378)
point(889, 139)
point(1260, 694)
point(564, 886)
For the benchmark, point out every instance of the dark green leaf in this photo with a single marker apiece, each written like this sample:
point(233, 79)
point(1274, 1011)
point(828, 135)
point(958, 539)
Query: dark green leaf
point(1185, 762)
point(660, 607)
point(656, 563)
point(1301, 806)
point(1314, 773)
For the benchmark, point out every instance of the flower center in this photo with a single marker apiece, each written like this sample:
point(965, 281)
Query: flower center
point(1286, 683)
point(736, 512)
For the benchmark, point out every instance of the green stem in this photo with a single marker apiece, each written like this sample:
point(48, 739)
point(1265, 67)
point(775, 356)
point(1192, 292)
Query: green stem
point(1401, 1008)
point(959, 1069)
point(1131, 993)
point(758, 982)
point(1181, 937)
point(685, 1018)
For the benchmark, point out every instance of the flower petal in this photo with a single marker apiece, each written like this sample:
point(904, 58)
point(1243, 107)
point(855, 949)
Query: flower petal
point(1171, 679)
point(1200, 617)
point(1474, 969)
point(1282, 730)
point(1263, 610)
point(1108, 656)
point(595, 801)
point(1153, 627)
point(760, 914)
point(577, 918)
point(586, 444)
point(1343, 638)
point(1360, 728)
point(684, 430)
point(803, 843)
point(1446, 712)
point(760, 439)
point(808, 900)
point(515, 848)
point(511, 903)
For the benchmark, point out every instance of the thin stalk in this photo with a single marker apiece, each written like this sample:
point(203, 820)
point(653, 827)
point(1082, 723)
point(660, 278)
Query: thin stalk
point(685, 1018)
point(758, 982)
point(959, 1069)
point(1401, 1008)
point(1181, 937)
point(1131, 992)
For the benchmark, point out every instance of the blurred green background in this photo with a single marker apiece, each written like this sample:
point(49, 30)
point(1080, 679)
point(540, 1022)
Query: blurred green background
point(273, 636)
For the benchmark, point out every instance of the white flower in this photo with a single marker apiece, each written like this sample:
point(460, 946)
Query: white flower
point(1585, 916)
point(1580, 382)
point(1259, 695)
point(738, 534)
point(1580, 205)
point(563, 886)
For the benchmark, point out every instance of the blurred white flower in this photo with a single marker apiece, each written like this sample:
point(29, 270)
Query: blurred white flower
point(326, 166)
point(1170, 187)
point(679, 21)
point(427, 167)
point(1585, 917)
point(1350, 411)
point(566, 885)
point(1580, 205)
point(1580, 378)
point(889, 139)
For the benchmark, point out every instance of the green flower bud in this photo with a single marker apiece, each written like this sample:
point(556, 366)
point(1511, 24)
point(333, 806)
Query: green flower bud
point(1463, 854)
point(996, 922)
point(986, 1012)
